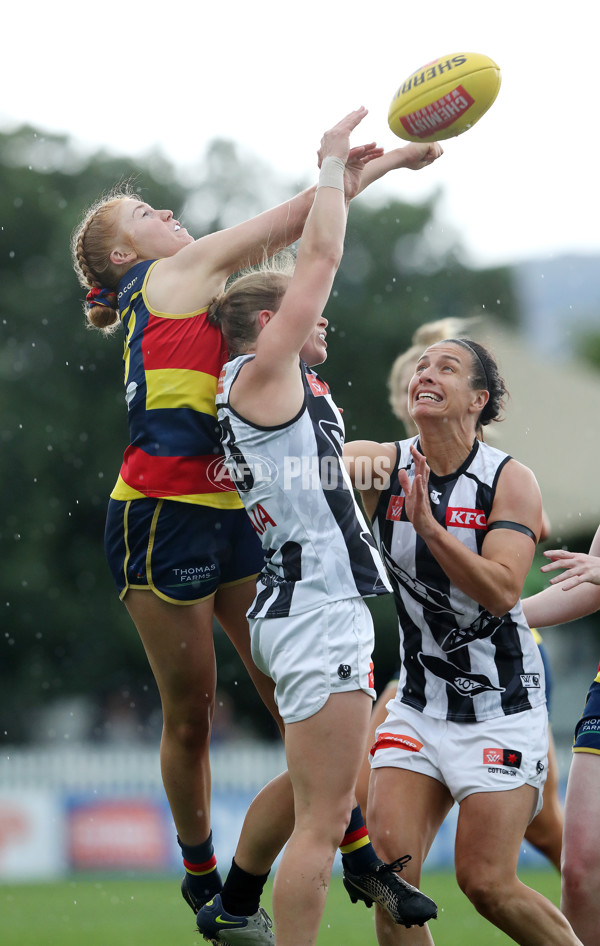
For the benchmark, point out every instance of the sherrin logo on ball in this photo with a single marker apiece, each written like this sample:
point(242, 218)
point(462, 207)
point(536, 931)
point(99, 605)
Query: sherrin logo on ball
point(444, 98)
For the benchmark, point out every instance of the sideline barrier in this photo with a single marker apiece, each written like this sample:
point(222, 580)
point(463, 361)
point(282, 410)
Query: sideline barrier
point(85, 809)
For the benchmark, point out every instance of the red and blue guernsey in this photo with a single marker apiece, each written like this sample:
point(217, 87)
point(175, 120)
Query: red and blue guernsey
point(172, 365)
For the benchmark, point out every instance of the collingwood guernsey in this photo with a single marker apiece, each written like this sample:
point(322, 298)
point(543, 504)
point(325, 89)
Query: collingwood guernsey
point(459, 662)
point(293, 483)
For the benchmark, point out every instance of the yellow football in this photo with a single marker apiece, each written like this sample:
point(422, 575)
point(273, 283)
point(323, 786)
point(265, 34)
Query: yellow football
point(444, 98)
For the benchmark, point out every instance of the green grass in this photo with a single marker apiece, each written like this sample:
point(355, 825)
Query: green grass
point(102, 911)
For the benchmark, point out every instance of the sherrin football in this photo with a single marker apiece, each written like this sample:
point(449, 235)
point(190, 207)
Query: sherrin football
point(444, 98)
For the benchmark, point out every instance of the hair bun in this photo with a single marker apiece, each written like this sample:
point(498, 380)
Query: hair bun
point(212, 310)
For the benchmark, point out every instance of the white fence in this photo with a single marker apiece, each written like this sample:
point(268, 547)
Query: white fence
point(240, 766)
point(78, 808)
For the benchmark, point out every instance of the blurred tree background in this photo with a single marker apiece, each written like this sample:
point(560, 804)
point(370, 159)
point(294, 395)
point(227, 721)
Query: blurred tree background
point(63, 422)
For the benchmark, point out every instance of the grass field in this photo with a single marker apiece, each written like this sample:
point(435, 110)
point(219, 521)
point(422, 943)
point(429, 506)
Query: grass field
point(102, 911)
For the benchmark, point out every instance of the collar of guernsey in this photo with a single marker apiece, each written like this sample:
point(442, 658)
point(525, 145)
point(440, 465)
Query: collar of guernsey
point(172, 365)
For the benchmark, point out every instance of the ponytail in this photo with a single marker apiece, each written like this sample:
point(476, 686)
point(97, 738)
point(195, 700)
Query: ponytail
point(102, 310)
point(236, 309)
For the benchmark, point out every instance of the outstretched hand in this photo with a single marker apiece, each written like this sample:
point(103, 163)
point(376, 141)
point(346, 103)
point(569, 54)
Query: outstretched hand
point(578, 568)
point(417, 155)
point(355, 165)
point(416, 495)
point(336, 142)
point(413, 156)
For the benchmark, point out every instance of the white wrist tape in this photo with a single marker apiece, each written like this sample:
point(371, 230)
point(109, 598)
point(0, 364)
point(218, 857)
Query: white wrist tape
point(332, 173)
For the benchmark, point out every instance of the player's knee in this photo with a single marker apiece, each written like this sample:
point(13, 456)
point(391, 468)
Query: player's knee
point(189, 730)
point(328, 822)
point(339, 819)
point(484, 890)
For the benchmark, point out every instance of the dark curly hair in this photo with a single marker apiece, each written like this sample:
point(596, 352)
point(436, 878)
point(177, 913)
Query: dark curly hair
point(485, 375)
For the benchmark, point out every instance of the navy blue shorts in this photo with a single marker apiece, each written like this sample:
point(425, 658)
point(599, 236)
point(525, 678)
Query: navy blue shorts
point(587, 730)
point(181, 551)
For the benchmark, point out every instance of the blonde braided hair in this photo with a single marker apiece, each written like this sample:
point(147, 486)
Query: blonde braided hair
point(91, 244)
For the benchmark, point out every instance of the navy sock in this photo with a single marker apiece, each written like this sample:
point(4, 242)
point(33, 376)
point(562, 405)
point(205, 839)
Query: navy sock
point(358, 854)
point(242, 891)
point(203, 878)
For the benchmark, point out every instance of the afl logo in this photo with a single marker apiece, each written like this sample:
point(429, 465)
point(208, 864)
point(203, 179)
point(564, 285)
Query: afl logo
point(242, 472)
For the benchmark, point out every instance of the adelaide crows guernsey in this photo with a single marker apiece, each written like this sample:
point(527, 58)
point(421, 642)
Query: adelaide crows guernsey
point(459, 662)
point(172, 365)
point(295, 487)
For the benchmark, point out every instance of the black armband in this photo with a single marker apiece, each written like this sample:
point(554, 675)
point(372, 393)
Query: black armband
point(515, 526)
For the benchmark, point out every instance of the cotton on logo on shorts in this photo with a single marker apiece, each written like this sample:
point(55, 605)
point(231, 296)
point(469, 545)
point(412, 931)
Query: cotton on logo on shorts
point(510, 758)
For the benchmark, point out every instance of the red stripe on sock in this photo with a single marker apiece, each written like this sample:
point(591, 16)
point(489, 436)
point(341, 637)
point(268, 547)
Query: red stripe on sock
point(353, 836)
point(204, 868)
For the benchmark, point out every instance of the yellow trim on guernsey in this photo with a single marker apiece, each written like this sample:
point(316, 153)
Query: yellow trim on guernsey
point(181, 387)
point(224, 499)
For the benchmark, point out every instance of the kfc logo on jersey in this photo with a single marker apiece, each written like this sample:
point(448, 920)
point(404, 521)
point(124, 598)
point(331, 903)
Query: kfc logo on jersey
point(466, 518)
point(220, 382)
point(510, 758)
point(394, 509)
point(318, 387)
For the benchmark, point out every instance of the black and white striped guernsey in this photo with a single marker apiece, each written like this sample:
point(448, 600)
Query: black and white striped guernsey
point(459, 662)
point(295, 487)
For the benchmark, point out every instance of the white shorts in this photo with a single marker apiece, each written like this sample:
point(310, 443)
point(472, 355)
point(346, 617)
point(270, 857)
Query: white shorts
point(312, 655)
point(491, 756)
